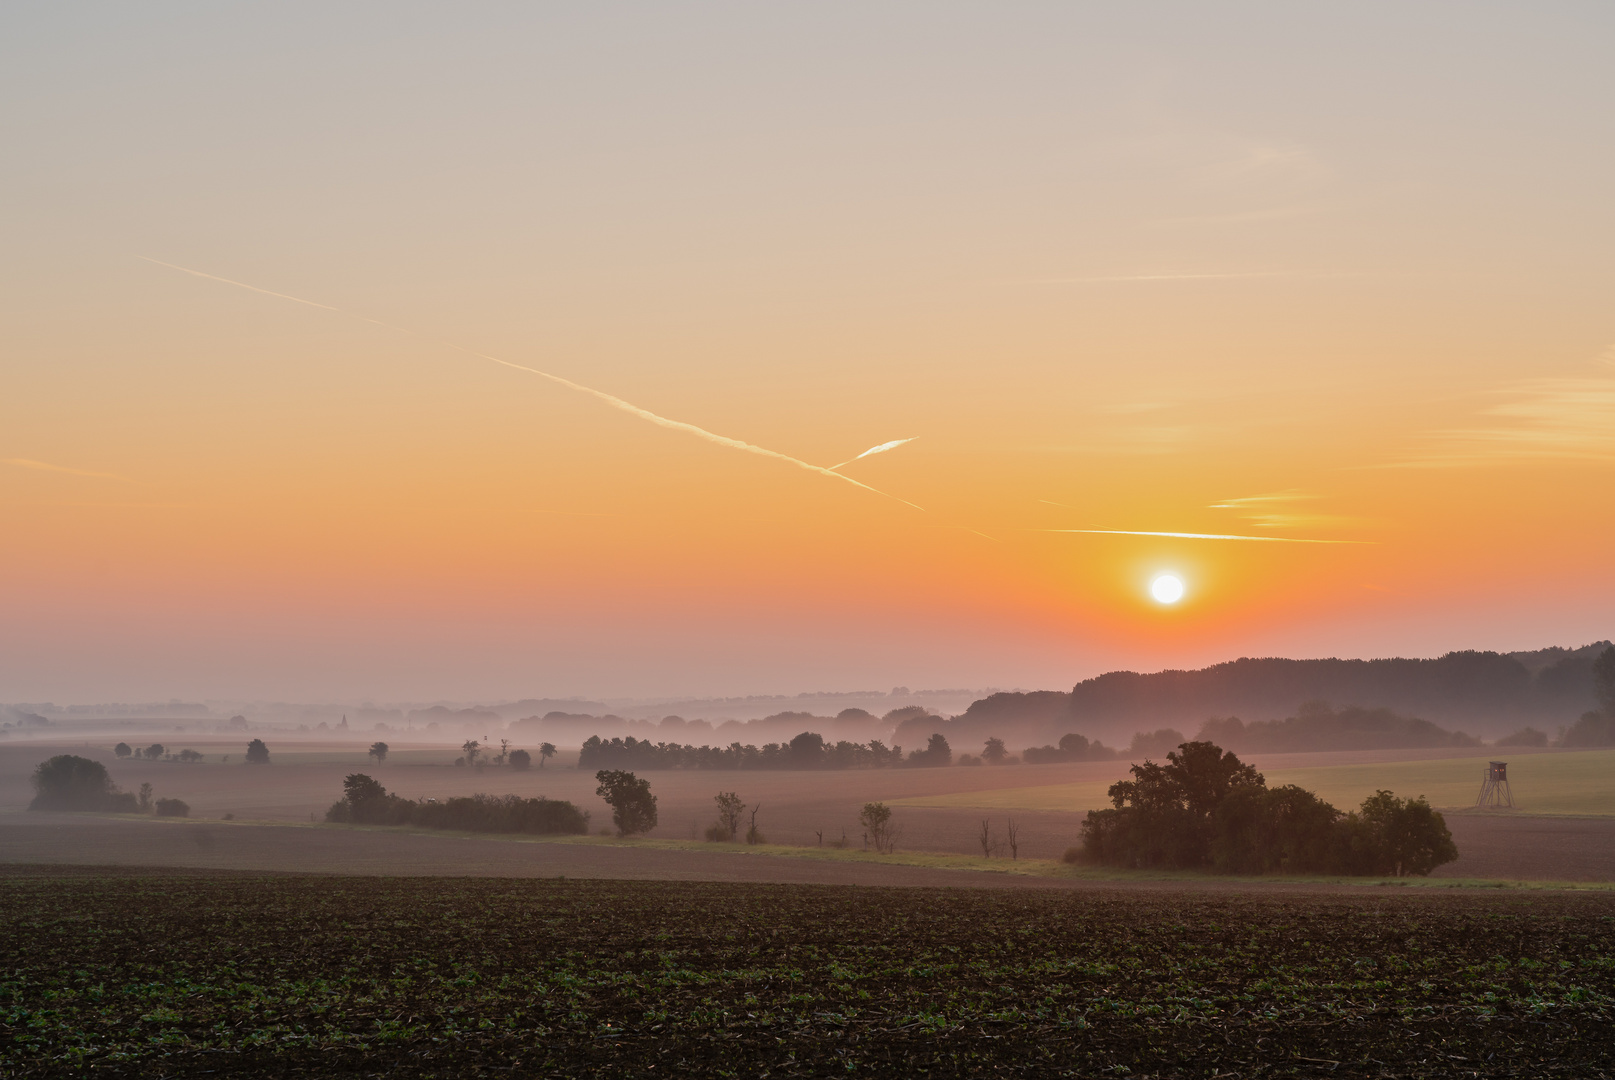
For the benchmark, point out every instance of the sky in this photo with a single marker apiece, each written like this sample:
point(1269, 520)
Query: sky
point(415, 352)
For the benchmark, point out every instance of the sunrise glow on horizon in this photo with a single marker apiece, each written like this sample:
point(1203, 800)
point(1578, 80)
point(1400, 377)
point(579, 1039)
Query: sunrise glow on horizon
point(542, 353)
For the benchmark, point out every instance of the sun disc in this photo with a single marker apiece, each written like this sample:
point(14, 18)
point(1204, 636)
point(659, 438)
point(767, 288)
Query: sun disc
point(1167, 589)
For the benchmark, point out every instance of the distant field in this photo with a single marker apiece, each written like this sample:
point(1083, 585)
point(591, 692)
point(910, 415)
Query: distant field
point(1578, 782)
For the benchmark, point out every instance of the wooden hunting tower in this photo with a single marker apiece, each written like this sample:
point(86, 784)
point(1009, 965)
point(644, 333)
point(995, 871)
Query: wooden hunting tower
point(1494, 790)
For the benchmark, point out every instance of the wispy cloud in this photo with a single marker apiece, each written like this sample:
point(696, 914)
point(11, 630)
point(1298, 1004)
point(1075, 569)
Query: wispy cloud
point(45, 466)
point(1571, 418)
point(599, 395)
point(1201, 536)
point(1271, 511)
point(1233, 275)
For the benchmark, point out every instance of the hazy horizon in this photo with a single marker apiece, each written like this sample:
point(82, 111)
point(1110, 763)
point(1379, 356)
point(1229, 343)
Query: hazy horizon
point(382, 352)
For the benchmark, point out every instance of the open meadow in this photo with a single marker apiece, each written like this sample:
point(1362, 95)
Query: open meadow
point(936, 811)
point(1558, 782)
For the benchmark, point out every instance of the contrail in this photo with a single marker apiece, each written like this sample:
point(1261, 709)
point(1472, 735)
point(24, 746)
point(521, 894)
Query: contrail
point(28, 463)
point(881, 449)
point(1203, 536)
point(610, 399)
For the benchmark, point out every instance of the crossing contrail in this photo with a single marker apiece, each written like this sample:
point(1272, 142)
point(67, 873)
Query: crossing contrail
point(610, 399)
point(881, 449)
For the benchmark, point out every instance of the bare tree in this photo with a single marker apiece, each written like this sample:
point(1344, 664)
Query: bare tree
point(986, 838)
point(1014, 839)
point(729, 810)
point(752, 835)
point(504, 752)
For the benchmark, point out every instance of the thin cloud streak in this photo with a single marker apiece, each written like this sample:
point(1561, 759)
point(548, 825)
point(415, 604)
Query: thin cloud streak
point(1202, 536)
point(1546, 419)
point(881, 449)
point(610, 399)
point(45, 466)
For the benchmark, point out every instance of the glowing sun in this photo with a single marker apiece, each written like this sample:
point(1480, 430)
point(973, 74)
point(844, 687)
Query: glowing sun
point(1167, 589)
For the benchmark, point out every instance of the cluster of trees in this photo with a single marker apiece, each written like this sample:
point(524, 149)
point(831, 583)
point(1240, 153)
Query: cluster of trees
point(364, 801)
point(1072, 748)
point(70, 782)
point(1317, 727)
point(473, 750)
point(158, 752)
point(1205, 809)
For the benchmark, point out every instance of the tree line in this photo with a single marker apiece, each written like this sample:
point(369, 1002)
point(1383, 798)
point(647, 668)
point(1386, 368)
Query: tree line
point(1205, 809)
point(808, 750)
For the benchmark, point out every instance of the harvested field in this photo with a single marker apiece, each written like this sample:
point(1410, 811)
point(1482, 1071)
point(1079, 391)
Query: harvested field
point(152, 974)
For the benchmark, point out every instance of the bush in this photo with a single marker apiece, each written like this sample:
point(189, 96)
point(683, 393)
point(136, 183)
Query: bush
point(1073, 855)
point(510, 814)
point(173, 808)
point(520, 759)
point(122, 750)
point(876, 818)
point(257, 753)
point(718, 834)
point(937, 752)
point(1593, 729)
point(70, 782)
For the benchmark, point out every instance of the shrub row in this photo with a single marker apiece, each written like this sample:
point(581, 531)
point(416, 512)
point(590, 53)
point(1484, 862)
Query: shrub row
point(366, 802)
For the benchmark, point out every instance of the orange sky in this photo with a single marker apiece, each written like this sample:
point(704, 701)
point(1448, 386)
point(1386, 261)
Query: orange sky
point(1320, 276)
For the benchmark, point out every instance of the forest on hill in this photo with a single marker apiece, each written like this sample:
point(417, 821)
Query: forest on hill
point(1482, 693)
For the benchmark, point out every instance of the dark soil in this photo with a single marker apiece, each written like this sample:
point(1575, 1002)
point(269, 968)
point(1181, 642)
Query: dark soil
point(159, 974)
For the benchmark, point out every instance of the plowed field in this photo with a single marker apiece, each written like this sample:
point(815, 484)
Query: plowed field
point(134, 974)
